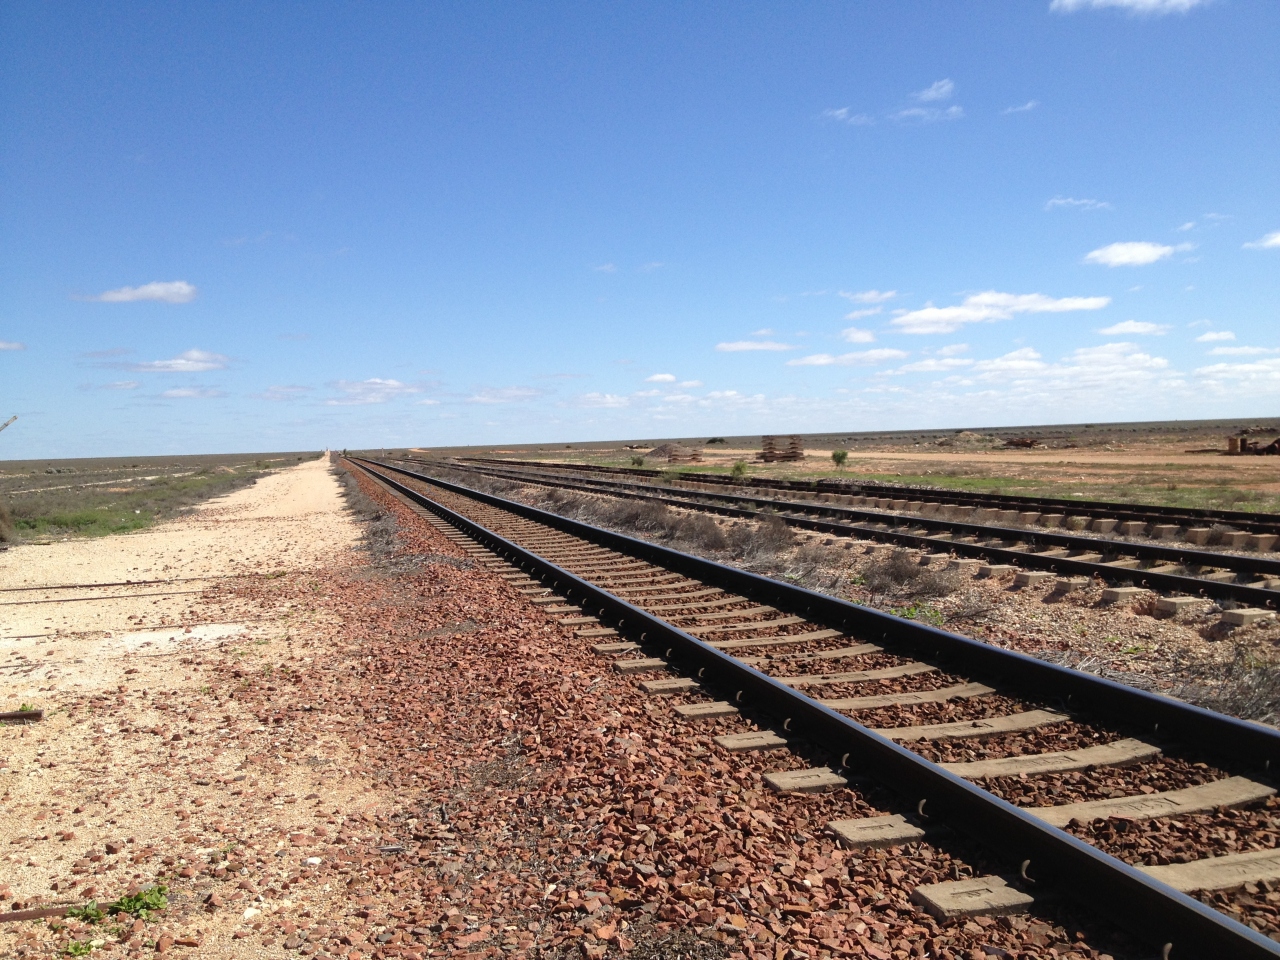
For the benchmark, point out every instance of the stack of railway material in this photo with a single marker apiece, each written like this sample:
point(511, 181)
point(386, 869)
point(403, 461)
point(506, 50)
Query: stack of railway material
point(840, 694)
point(1249, 579)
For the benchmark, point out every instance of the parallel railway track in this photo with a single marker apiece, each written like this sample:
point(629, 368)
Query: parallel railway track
point(755, 652)
point(1182, 517)
point(1252, 580)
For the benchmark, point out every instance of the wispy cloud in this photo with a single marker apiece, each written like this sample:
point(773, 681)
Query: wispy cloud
point(763, 332)
point(490, 395)
point(192, 393)
point(857, 335)
point(651, 266)
point(857, 358)
point(1270, 242)
point(607, 400)
point(689, 384)
point(661, 378)
point(1215, 336)
point(1137, 253)
point(1242, 351)
point(859, 314)
point(162, 291)
point(939, 90)
point(374, 390)
point(122, 385)
point(936, 365)
point(1074, 203)
point(927, 114)
point(742, 346)
point(1140, 327)
point(1189, 225)
point(952, 350)
point(990, 306)
point(12, 345)
point(846, 115)
point(1148, 7)
point(1029, 105)
point(280, 393)
point(606, 268)
point(189, 361)
point(869, 296)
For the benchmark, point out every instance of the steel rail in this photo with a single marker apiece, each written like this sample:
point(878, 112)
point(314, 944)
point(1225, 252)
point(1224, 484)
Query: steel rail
point(1156, 580)
point(1260, 522)
point(1058, 860)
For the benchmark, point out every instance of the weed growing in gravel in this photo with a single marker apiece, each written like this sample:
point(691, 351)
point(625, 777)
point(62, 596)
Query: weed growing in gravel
point(922, 612)
point(142, 904)
point(78, 948)
point(90, 913)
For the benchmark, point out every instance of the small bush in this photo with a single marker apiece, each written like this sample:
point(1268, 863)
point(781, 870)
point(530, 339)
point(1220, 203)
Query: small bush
point(637, 461)
point(739, 471)
point(7, 532)
point(838, 457)
point(701, 531)
point(902, 573)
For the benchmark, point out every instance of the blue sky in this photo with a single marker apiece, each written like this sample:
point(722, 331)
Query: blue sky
point(284, 226)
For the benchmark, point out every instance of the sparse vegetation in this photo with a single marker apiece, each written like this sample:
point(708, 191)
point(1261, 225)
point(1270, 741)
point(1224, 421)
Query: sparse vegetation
point(739, 471)
point(99, 497)
point(637, 461)
point(838, 457)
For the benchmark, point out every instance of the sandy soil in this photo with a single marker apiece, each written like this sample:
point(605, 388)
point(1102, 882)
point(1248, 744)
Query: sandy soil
point(140, 772)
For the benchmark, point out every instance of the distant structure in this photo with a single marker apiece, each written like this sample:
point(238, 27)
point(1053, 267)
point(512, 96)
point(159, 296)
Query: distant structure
point(781, 448)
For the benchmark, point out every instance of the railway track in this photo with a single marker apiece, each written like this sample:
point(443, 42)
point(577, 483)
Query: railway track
point(1252, 580)
point(1164, 522)
point(838, 695)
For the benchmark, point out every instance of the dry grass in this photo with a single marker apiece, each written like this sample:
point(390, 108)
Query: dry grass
point(901, 574)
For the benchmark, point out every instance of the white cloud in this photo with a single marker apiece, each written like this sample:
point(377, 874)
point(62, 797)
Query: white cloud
point(1029, 105)
point(859, 314)
point(190, 393)
point(690, 383)
point(168, 291)
point(846, 115)
point(1270, 242)
point(503, 395)
point(1151, 7)
point(190, 361)
point(428, 402)
point(855, 335)
point(1077, 204)
point(1140, 327)
point(607, 400)
point(12, 345)
point(1023, 361)
point(952, 349)
point(739, 346)
point(651, 266)
point(606, 268)
point(764, 331)
point(989, 306)
point(647, 393)
point(122, 385)
point(373, 390)
point(1241, 351)
point(1189, 225)
point(936, 365)
point(661, 378)
point(940, 90)
point(1136, 253)
point(282, 392)
point(858, 358)
point(927, 114)
point(869, 296)
point(1258, 375)
point(1214, 336)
